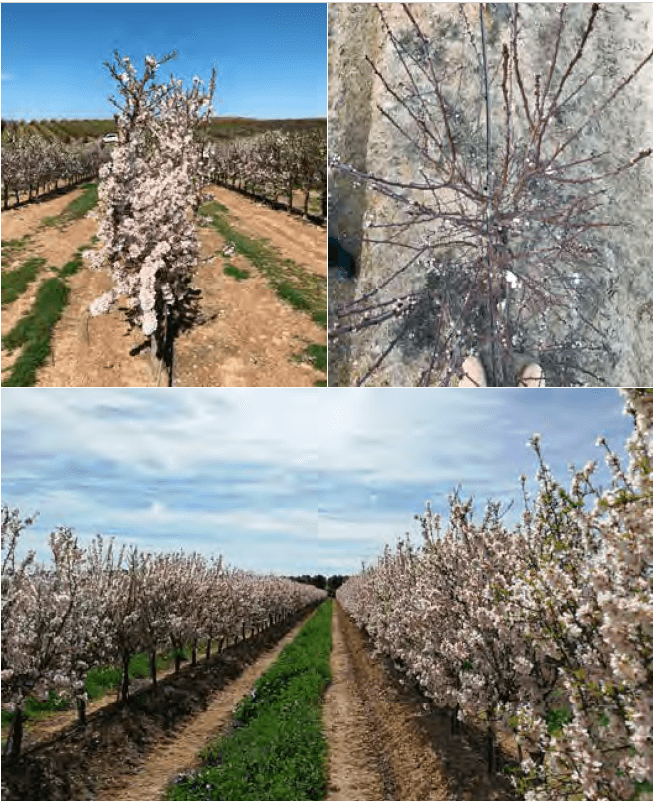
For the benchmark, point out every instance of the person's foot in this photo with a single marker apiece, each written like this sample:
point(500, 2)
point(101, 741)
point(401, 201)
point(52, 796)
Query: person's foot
point(473, 373)
point(531, 376)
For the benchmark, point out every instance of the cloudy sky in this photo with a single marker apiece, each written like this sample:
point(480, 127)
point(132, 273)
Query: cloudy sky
point(291, 480)
point(270, 57)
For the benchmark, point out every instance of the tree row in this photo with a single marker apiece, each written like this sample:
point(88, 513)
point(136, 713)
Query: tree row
point(100, 605)
point(540, 634)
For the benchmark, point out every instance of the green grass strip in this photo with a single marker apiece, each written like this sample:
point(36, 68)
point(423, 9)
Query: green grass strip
point(75, 209)
point(15, 282)
point(75, 264)
point(300, 288)
point(33, 331)
point(236, 272)
point(277, 749)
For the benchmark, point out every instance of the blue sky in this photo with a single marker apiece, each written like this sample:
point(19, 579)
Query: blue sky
point(271, 57)
point(291, 480)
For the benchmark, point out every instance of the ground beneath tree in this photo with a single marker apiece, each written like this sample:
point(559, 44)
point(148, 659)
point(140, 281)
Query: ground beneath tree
point(253, 338)
point(387, 741)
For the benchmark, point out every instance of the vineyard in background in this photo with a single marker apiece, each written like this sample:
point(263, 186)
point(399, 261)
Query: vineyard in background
point(542, 636)
point(99, 606)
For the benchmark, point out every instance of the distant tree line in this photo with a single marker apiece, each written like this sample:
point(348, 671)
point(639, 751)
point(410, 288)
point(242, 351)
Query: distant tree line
point(330, 584)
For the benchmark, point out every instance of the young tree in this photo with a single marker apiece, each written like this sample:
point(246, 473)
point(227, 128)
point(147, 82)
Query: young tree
point(490, 227)
point(149, 194)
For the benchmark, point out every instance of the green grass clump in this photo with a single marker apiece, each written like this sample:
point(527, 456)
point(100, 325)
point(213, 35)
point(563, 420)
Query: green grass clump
point(300, 288)
point(556, 719)
point(75, 264)
point(15, 282)
point(33, 331)
point(75, 209)
point(317, 354)
point(236, 272)
point(277, 749)
point(11, 248)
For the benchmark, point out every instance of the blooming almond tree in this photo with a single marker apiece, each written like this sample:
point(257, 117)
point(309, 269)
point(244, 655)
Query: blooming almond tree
point(543, 634)
point(149, 193)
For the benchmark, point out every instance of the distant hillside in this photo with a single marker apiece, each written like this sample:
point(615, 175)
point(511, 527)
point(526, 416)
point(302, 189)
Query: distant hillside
point(219, 127)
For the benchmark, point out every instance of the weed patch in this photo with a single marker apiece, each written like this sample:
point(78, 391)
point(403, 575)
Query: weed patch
point(15, 282)
point(276, 749)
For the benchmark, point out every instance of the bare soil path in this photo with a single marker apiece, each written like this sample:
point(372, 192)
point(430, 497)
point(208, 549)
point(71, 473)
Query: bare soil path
point(254, 338)
point(179, 752)
point(376, 750)
point(386, 741)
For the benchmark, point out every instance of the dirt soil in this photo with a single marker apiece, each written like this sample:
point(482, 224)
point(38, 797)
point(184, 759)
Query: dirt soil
point(131, 751)
point(387, 741)
point(251, 338)
point(255, 335)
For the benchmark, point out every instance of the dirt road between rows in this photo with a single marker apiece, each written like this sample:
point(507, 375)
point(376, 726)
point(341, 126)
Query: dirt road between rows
point(179, 752)
point(386, 741)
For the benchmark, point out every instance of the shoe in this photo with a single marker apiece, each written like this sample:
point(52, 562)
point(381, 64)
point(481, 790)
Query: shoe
point(531, 376)
point(473, 373)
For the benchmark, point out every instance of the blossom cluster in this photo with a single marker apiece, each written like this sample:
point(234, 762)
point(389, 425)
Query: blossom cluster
point(31, 162)
point(542, 634)
point(148, 195)
point(99, 605)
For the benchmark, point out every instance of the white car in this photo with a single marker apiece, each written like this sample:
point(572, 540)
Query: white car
point(110, 138)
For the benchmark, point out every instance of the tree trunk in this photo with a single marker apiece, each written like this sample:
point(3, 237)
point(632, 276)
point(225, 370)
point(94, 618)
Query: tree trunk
point(208, 649)
point(125, 676)
point(306, 203)
point(491, 751)
point(81, 711)
point(15, 736)
point(153, 668)
point(161, 351)
point(194, 653)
